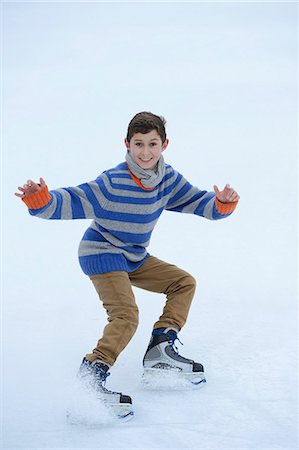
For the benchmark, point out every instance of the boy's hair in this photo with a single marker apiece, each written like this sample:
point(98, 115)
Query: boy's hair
point(144, 122)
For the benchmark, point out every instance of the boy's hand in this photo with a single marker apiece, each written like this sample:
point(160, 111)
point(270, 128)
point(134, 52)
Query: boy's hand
point(228, 194)
point(30, 188)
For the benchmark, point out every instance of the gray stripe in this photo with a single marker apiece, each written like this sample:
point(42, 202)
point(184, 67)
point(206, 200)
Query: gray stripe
point(136, 208)
point(135, 194)
point(48, 213)
point(123, 181)
point(118, 172)
point(86, 205)
point(93, 226)
point(114, 240)
point(87, 248)
point(66, 208)
point(189, 209)
point(127, 227)
point(102, 200)
point(175, 191)
point(117, 242)
point(208, 210)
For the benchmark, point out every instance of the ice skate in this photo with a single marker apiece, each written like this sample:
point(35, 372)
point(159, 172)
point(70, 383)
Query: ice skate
point(93, 376)
point(162, 360)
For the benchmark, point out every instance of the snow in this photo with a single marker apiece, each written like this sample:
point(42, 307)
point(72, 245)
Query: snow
point(224, 76)
point(248, 401)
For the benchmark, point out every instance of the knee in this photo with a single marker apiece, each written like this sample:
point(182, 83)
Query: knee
point(191, 281)
point(128, 315)
point(130, 320)
point(132, 316)
point(187, 282)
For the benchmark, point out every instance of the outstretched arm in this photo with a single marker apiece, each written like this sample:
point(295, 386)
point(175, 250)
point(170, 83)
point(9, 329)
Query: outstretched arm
point(80, 202)
point(186, 198)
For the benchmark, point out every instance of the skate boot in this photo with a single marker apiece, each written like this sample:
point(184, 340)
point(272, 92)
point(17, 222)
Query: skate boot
point(162, 356)
point(93, 376)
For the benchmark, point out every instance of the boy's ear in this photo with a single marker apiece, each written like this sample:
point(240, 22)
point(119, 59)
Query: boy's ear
point(127, 144)
point(166, 142)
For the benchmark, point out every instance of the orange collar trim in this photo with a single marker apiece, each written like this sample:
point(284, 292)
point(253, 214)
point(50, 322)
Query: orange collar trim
point(138, 181)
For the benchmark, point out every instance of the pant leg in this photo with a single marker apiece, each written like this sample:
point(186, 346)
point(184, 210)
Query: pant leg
point(179, 286)
point(115, 291)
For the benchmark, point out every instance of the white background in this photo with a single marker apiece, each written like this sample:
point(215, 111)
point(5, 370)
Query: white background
point(224, 77)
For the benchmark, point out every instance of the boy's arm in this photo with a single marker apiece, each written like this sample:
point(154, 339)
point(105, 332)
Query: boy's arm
point(216, 205)
point(80, 202)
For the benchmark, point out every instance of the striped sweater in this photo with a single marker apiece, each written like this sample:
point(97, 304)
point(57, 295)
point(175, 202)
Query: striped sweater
point(123, 214)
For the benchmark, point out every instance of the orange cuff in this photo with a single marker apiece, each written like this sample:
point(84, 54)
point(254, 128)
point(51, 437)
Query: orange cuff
point(37, 200)
point(225, 208)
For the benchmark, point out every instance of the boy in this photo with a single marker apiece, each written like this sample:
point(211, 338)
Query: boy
point(125, 203)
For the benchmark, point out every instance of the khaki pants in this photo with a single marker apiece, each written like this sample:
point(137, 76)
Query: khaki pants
point(115, 291)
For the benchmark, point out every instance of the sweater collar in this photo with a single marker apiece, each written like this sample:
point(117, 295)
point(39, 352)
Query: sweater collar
point(148, 178)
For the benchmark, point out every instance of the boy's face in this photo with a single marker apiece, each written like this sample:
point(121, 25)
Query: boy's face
point(146, 149)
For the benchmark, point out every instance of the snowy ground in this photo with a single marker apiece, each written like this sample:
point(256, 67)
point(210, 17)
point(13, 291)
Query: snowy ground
point(249, 401)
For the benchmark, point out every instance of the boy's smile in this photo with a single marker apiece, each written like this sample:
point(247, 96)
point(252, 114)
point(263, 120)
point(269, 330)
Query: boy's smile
point(146, 149)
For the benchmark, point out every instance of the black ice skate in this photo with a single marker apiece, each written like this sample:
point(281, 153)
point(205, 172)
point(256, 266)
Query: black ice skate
point(162, 355)
point(93, 375)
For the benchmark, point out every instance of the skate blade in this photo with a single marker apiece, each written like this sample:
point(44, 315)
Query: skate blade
point(122, 412)
point(114, 413)
point(171, 379)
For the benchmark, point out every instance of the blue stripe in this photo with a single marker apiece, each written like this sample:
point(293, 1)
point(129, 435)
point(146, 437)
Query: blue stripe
point(134, 249)
point(118, 216)
point(76, 205)
point(121, 199)
point(108, 262)
point(98, 210)
point(200, 209)
point(193, 199)
point(126, 237)
point(57, 212)
point(120, 186)
point(132, 200)
point(112, 174)
point(134, 218)
point(187, 186)
point(92, 235)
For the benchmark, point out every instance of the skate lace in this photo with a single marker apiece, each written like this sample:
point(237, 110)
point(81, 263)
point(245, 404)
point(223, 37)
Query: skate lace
point(103, 376)
point(171, 339)
point(100, 371)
